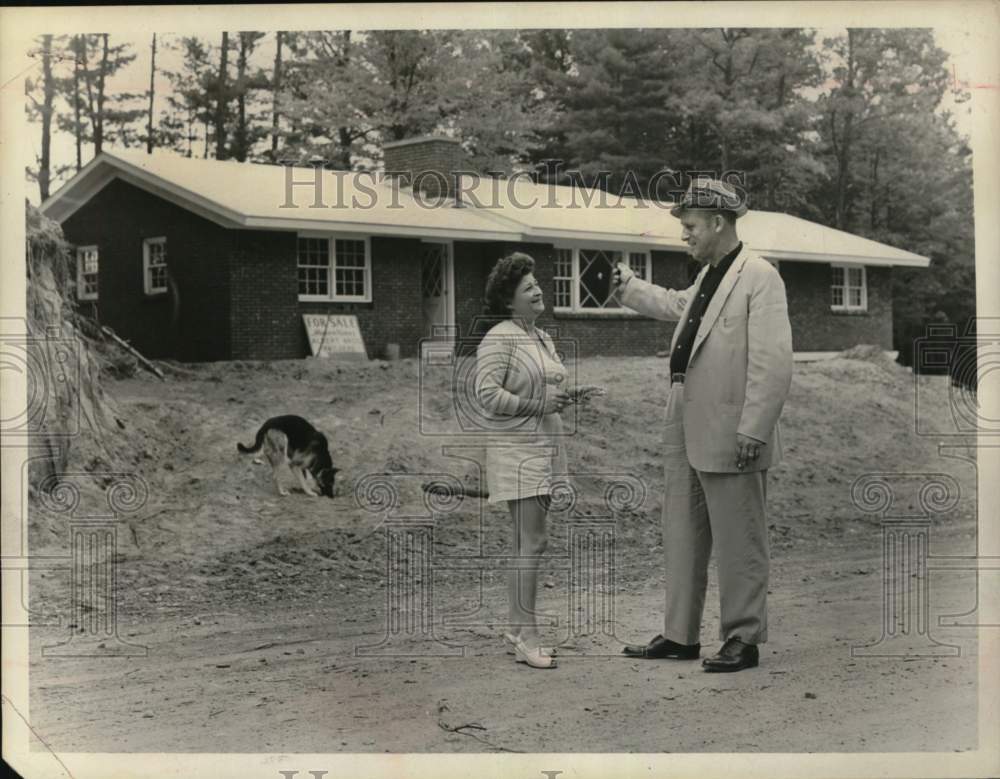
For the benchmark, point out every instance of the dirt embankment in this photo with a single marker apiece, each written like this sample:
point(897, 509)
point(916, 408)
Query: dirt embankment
point(253, 606)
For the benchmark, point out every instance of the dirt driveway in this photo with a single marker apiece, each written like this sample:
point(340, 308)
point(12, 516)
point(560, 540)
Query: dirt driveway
point(261, 617)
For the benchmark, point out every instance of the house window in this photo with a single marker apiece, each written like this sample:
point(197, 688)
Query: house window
point(639, 263)
point(848, 288)
point(564, 278)
point(314, 267)
point(154, 266)
point(582, 277)
point(350, 268)
point(334, 269)
point(86, 273)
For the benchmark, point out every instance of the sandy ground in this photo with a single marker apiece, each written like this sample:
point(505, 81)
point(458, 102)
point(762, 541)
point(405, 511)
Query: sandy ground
point(259, 614)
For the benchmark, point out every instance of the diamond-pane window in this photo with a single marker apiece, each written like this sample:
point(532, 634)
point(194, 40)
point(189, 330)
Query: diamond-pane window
point(595, 266)
point(432, 269)
point(582, 277)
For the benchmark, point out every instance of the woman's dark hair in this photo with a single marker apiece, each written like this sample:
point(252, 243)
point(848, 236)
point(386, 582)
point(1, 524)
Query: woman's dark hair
point(504, 280)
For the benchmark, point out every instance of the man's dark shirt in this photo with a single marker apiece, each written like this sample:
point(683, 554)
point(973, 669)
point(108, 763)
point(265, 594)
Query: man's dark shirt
point(696, 310)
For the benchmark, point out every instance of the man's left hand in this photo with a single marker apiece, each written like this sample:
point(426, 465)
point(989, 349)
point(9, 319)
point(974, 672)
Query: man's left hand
point(747, 449)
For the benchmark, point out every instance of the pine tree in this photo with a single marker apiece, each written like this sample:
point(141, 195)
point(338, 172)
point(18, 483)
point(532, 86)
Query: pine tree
point(41, 96)
point(343, 95)
point(189, 107)
point(150, 129)
point(98, 116)
point(221, 98)
point(276, 86)
point(881, 75)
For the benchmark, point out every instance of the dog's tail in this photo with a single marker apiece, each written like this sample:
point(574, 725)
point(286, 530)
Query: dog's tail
point(258, 442)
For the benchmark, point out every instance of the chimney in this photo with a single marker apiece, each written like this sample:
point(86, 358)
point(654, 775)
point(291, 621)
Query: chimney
point(427, 162)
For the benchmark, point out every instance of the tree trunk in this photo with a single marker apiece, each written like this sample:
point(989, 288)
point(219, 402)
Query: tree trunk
point(79, 42)
point(844, 158)
point(99, 117)
point(728, 79)
point(152, 94)
point(242, 133)
point(48, 87)
point(190, 132)
point(344, 133)
point(873, 192)
point(345, 148)
point(275, 89)
point(88, 80)
point(220, 103)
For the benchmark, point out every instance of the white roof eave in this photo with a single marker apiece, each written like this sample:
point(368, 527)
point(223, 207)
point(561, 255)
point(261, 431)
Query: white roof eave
point(604, 238)
point(368, 228)
point(92, 179)
point(912, 261)
point(495, 226)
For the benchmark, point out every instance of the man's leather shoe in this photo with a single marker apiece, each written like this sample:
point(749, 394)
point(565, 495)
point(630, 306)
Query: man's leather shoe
point(734, 655)
point(661, 648)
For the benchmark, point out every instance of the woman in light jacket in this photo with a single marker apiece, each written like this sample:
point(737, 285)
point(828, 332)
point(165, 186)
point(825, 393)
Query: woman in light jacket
point(520, 384)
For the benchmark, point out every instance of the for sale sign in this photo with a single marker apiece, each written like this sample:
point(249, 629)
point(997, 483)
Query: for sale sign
point(335, 335)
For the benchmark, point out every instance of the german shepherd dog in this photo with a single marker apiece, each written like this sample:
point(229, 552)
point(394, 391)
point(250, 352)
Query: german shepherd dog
point(292, 441)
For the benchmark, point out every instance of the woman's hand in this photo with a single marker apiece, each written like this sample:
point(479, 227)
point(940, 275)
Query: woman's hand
point(555, 401)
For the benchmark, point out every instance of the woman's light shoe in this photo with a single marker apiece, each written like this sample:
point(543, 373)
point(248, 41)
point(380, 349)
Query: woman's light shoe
point(512, 641)
point(532, 656)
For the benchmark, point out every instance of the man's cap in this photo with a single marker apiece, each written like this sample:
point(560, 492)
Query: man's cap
point(712, 194)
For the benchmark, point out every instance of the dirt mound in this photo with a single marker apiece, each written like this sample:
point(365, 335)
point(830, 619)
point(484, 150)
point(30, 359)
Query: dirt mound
point(214, 520)
point(868, 353)
point(76, 424)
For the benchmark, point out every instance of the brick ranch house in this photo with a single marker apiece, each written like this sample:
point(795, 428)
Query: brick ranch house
point(207, 260)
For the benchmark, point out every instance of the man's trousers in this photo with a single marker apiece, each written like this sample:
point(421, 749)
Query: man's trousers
point(702, 510)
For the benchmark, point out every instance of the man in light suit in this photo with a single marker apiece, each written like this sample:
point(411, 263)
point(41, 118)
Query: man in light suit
point(731, 369)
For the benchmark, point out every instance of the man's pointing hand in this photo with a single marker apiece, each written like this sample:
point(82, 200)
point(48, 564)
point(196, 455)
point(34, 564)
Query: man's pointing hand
point(621, 274)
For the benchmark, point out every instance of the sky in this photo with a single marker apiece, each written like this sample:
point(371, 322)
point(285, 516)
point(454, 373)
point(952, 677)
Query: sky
point(135, 78)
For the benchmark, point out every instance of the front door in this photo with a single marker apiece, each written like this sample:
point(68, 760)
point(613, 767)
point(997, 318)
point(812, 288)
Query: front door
point(438, 290)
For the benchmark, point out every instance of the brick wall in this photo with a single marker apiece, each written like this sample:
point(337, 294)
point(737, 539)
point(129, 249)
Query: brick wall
point(815, 328)
point(585, 334)
point(473, 262)
point(267, 314)
point(625, 333)
point(191, 321)
point(263, 288)
point(395, 314)
point(235, 291)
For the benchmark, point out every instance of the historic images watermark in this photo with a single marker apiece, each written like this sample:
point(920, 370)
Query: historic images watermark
point(970, 357)
point(908, 503)
point(49, 365)
point(586, 503)
point(93, 524)
point(93, 504)
point(460, 412)
point(323, 188)
point(419, 624)
point(905, 504)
